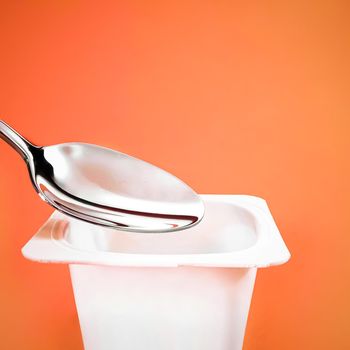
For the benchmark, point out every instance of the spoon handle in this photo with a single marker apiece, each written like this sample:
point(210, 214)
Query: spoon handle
point(16, 141)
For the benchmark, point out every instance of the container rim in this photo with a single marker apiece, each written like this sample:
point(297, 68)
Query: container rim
point(269, 249)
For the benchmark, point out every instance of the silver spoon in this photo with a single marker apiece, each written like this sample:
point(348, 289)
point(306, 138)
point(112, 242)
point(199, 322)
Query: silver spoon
point(106, 187)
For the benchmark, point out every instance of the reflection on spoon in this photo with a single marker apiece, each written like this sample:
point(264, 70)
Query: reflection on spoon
point(106, 187)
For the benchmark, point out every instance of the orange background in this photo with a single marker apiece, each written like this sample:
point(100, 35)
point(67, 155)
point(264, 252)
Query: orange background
point(232, 97)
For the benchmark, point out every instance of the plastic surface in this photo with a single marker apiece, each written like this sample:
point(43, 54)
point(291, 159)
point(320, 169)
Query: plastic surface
point(237, 231)
point(184, 308)
point(130, 296)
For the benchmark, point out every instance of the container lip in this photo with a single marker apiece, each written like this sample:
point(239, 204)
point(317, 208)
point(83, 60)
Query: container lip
point(268, 250)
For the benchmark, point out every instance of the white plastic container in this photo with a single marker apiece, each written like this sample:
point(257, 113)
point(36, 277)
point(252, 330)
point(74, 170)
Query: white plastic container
point(188, 290)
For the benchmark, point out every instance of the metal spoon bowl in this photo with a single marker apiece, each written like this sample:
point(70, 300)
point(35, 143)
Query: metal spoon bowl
point(106, 187)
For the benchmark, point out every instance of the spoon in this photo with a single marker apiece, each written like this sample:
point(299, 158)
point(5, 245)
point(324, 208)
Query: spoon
point(106, 187)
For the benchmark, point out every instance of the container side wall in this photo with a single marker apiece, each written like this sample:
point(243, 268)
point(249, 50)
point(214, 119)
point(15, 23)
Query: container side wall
point(184, 308)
